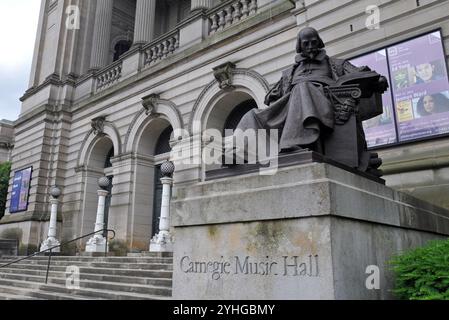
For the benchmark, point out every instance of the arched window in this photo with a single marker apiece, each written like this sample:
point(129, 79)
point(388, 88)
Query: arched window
point(120, 48)
point(108, 163)
point(163, 143)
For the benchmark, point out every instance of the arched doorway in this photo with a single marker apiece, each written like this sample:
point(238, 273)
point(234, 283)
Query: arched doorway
point(153, 148)
point(108, 173)
point(162, 148)
point(226, 114)
point(98, 165)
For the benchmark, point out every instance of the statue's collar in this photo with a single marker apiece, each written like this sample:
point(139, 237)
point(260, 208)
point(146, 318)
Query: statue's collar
point(320, 57)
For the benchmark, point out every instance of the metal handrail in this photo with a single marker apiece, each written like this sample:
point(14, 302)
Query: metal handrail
point(60, 245)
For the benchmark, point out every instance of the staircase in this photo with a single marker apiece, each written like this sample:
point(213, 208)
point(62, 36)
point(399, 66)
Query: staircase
point(107, 278)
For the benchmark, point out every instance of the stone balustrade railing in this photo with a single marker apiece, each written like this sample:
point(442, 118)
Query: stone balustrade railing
point(109, 76)
point(161, 48)
point(230, 13)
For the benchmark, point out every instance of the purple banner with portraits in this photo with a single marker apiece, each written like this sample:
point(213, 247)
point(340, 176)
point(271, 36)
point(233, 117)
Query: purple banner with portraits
point(420, 87)
point(20, 190)
point(380, 130)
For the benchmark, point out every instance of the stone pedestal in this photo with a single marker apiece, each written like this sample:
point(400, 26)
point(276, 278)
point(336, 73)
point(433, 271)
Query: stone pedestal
point(311, 231)
point(51, 241)
point(98, 243)
point(163, 241)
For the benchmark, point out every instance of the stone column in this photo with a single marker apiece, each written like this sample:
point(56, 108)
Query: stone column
point(163, 241)
point(98, 243)
point(51, 240)
point(145, 18)
point(102, 34)
point(201, 4)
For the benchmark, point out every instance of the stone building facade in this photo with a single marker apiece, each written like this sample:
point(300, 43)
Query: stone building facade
point(6, 140)
point(111, 79)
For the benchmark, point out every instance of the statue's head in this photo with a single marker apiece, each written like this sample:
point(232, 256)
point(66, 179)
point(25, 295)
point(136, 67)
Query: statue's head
point(309, 42)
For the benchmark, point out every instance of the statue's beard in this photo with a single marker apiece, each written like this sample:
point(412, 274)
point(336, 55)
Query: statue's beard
point(312, 54)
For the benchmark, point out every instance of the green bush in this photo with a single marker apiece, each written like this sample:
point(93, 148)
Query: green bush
point(5, 171)
point(118, 247)
point(423, 273)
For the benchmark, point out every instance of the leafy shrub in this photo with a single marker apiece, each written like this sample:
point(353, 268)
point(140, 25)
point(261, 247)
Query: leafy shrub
point(423, 273)
point(118, 247)
point(5, 170)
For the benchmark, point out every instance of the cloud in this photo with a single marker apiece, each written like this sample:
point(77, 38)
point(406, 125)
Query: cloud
point(18, 22)
point(18, 25)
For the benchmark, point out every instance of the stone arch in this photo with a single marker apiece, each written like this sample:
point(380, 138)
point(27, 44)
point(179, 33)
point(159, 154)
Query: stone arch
point(163, 110)
point(94, 167)
point(245, 81)
point(92, 138)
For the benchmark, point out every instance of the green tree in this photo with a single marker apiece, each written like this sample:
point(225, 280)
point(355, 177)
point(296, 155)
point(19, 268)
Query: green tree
point(5, 171)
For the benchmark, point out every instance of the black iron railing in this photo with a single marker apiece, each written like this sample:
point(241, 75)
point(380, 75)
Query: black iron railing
point(50, 250)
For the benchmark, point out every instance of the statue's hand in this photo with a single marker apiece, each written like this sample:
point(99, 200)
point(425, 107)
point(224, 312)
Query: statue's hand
point(383, 85)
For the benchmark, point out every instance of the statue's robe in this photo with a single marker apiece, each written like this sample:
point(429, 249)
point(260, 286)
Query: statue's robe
point(301, 110)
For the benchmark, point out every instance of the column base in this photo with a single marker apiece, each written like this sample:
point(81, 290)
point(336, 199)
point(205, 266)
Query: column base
point(97, 244)
point(50, 243)
point(161, 242)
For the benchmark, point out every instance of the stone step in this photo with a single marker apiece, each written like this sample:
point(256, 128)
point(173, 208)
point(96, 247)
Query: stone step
point(59, 292)
point(132, 256)
point(98, 270)
point(26, 273)
point(29, 291)
point(11, 293)
point(139, 266)
point(89, 284)
point(88, 259)
point(5, 296)
point(145, 277)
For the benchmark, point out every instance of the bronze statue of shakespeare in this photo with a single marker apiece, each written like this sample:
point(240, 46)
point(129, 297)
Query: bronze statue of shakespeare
point(319, 104)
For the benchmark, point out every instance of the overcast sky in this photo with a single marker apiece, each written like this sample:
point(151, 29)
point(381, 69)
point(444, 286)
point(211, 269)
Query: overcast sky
point(18, 25)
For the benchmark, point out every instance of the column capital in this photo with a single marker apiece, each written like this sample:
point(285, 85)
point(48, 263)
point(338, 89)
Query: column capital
point(167, 180)
point(102, 193)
